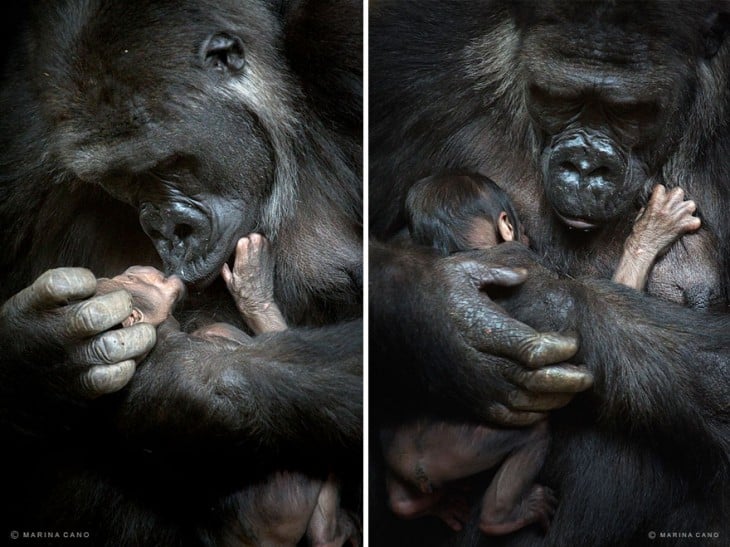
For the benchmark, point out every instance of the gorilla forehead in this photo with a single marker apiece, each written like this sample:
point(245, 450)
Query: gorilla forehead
point(124, 82)
point(610, 31)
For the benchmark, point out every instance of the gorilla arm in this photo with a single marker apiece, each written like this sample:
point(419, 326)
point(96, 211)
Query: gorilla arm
point(659, 369)
point(299, 387)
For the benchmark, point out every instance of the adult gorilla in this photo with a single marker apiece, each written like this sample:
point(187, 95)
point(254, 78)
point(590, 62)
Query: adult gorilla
point(160, 133)
point(577, 109)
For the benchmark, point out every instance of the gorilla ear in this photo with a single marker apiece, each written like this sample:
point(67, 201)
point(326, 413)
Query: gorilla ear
point(718, 28)
point(223, 52)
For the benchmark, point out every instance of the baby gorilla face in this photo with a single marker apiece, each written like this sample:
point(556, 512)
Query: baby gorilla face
point(153, 295)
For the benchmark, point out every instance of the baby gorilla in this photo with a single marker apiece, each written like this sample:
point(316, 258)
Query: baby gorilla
point(454, 213)
point(287, 506)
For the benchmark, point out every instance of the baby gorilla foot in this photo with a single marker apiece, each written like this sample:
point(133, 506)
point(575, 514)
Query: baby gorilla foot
point(536, 506)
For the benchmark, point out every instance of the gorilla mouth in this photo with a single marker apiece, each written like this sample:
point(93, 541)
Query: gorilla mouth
point(577, 223)
point(203, 271)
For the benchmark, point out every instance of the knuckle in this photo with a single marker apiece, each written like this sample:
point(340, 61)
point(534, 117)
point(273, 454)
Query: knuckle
point(103, 379)
point(106, 349)
point(504, 416)
point(676, 192)
point(520, 400)
point(61, 283)
point(83, 318)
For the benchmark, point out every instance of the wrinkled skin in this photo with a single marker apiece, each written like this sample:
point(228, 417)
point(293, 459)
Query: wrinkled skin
point(497, 390)
point(99, 360)
point(577, 111)
point(190, 126)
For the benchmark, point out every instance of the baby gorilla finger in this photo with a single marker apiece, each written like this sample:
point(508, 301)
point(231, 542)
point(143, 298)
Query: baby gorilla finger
point(98, 314)
point(103, 379)
point(116, 346)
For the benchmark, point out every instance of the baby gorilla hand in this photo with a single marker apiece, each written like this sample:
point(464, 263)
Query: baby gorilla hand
point(251, 283)
point(667, 217)
point(58, 319)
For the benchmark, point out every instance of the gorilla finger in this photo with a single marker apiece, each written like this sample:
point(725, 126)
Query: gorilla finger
point(538, 402)
point(257, 242)
point(691, 224)
point(226, 274)
point(546, 348)
point(657, 194)
point(104, 379)
point(501, 415)
point(241, 259)
point(483, 274)
point(555, 379)
point(99, 314)
point(57, 287)
point(688, 206)
point(116, 346)
point(676, 194)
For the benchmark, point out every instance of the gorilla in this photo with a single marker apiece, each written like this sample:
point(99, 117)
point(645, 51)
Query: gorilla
point(159, 134)
point(577, 110)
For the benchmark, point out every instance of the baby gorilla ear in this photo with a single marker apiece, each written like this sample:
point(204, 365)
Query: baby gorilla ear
point(505, 228)
point(223, 52)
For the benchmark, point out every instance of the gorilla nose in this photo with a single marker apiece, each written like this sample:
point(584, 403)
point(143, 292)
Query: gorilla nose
point(586, 161)
point(177, 230)
point(584, 172)
point(586, 177)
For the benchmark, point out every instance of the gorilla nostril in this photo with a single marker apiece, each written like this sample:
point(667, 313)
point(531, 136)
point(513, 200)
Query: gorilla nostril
point(567, 166)
point(155, 234)
point(183, 231)
point(602, 172)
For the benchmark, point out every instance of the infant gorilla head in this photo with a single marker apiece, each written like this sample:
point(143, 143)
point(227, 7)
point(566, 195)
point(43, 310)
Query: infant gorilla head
point(250, 281)
point(154, 297)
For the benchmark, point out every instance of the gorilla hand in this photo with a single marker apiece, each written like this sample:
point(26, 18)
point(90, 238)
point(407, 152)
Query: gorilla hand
point(434, 318)
point(531, 387)
point(58, 322)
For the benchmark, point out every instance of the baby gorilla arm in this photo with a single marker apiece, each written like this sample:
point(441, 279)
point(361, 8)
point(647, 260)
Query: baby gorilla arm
point(251, 283)
point(666, 218)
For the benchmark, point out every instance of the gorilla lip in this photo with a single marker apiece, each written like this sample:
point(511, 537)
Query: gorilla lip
point(577, 223)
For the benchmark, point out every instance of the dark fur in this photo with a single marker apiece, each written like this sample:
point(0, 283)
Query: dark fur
point(647, 449)
point(148, 465)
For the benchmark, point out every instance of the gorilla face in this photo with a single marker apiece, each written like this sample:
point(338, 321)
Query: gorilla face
point(183, 133)
point(606, 97)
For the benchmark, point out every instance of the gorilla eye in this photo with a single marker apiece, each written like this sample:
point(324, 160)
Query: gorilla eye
point(636, 114)
point(224, 52)
point(550, 110)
